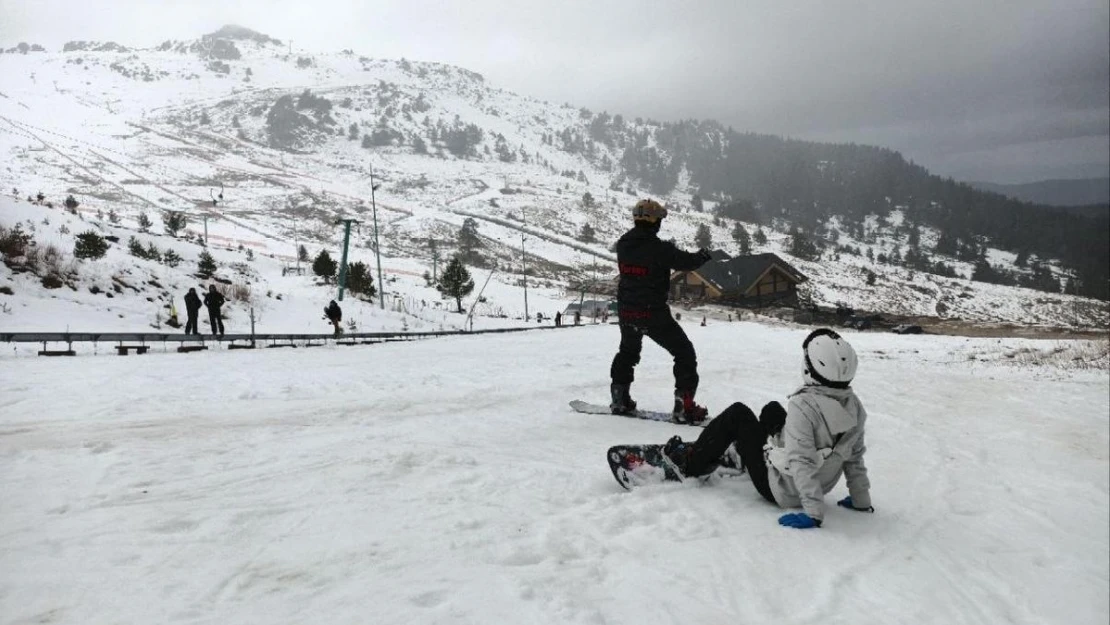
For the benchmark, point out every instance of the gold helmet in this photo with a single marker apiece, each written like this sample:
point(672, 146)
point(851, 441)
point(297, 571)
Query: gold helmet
point(649, 211)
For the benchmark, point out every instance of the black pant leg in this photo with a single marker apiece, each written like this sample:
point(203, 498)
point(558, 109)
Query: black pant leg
point(191, 324)
point(666, 332)
point(739, 425)
point(622, 371)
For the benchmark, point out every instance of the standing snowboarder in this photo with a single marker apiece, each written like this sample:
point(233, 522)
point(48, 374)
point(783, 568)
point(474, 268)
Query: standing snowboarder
point(192, 308)
point(213, 299)
point(818, 438)
point(645, 264)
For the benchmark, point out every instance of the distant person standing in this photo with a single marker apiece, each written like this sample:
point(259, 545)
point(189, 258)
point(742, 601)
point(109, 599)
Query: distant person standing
point(192, 308)
point(334, 314)
point(558, 319)
point(214, 300)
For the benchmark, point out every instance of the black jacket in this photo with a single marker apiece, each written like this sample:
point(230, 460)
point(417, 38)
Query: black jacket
point(333, 312)
point(192, 302)
point(213, 300)
point(646, 263)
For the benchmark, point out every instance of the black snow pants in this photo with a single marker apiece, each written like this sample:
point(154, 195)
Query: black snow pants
point(191, 324)
point(737, 424)
point(660, 327)
point(215, 320)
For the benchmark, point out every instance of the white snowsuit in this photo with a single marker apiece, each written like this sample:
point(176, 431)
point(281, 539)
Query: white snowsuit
point(822, 438)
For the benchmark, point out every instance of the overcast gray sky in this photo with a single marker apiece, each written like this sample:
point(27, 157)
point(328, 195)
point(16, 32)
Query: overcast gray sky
point(1003, 91)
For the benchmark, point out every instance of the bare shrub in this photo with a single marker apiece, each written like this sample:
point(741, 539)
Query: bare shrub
point(238, 292)
point(1094, 354)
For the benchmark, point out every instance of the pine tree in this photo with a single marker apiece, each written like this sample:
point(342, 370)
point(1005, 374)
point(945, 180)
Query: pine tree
point(135, 248)
point(704, 238)
point(759, 237)
point(206, 265)
point(90, 245)
point(743, 240)
point(302, 254)
point(72, 204)
point(802, 247)
point(455, 282)
point(697, 204)
point(359, 280)
point(171, 258)
point(144, 223)
point(324, 266)
point(588, 234)
point(174, 222)
point(113, 216)
point(468, 240)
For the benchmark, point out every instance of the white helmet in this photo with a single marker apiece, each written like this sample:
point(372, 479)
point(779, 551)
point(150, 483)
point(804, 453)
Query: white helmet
point(829, 359)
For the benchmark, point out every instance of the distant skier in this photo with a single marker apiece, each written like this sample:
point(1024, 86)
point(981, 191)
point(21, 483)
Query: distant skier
point(808, 446)
point(334, 314)
point(192, 308)
point(214, 300)
point(645, 264)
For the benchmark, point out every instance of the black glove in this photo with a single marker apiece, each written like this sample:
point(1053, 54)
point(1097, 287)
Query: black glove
point(847, 503)
point(704, 256)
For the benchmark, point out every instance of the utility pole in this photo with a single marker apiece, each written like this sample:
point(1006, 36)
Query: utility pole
point(377, 246)
point(296, 243)
point(343, 263)
point(524, 263)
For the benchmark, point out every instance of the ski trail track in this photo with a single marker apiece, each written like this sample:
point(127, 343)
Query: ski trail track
point(420, 483)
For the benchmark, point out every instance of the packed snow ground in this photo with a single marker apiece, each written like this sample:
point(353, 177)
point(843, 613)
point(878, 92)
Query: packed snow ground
point(446, 481)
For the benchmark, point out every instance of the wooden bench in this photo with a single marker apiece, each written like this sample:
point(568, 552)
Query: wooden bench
point(126, 349)
point(185, 349)
point(57, 352)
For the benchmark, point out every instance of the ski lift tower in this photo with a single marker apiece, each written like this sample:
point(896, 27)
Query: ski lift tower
point(343, 263)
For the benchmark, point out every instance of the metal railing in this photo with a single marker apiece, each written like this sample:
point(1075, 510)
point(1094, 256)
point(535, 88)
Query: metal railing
point(237, 340)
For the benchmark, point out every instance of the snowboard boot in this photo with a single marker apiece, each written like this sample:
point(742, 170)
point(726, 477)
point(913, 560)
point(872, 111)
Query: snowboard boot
point(620, 401)
point(678, 452)
point(686, 411)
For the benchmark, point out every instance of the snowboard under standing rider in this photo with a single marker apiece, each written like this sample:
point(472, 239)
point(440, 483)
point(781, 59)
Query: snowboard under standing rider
point(646, 262)
point(797, 455)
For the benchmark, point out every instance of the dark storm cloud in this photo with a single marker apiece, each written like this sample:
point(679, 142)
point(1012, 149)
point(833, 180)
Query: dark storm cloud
point(1007, 91)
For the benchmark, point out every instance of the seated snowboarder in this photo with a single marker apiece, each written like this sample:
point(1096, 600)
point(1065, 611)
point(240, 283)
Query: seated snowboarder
point(797, 455)
point(334, 314)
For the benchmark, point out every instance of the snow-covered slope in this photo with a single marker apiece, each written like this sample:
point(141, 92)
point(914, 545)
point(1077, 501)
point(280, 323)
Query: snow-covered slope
point(418, 483)
point(123, 293)
point(292, 140)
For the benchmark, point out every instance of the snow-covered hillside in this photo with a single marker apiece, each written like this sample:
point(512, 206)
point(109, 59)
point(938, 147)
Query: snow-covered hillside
point(291, 140)
point(123, 293)
point(417, 483)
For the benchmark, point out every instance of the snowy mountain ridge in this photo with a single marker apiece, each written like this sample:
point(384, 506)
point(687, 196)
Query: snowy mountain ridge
point(265, 147)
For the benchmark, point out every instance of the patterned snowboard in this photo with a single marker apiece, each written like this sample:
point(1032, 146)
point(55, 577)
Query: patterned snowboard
point(639, 465)
point(634, 466)
point(649, 415)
